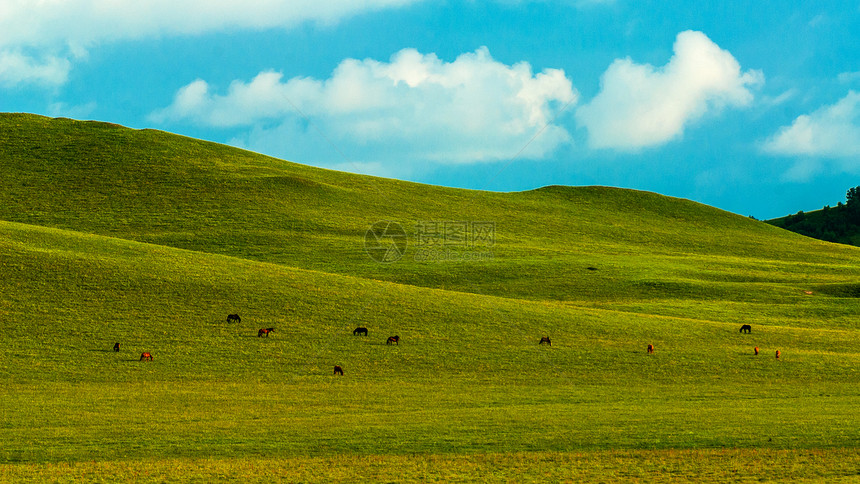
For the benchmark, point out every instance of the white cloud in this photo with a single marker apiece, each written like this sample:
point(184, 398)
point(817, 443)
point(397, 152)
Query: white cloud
point(414, 108)
point(86, 22)
point(74, 26)
point(640, 106)
point(849, 77)
point(829, 132)
point(17, 68)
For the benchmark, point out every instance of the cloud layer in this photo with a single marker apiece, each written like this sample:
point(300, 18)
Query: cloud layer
point(830, 132)
point(62, 30)
point(17, 68)
point(641, 106)
point(415, 108)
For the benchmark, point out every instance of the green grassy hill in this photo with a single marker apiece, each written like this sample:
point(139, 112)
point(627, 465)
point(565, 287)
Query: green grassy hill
point(109, 234)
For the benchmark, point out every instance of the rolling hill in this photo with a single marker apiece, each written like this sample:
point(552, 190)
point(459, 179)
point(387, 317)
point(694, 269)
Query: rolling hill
point(109, 234)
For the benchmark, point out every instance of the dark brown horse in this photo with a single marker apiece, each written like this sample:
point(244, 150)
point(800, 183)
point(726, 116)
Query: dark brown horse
point(264, 331)
point(393, 339)
point(116, 347)
point(746, 329)
point(650, 349)
point(338, 370)
point(233, 317)
point(145, 356)
point(359, 330)
point(545, 339)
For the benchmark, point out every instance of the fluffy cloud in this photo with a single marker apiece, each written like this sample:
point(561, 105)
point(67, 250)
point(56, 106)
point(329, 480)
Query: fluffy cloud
point(17, 68)
point(413, 108)
point(73, 26)
point(830, 132)
point(640, 106)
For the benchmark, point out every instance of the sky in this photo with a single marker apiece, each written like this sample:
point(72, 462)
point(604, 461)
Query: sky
point(749, 106)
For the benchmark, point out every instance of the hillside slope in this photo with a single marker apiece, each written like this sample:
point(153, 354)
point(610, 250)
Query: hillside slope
point(150, 239)
point(557, 243)
point(468, 375)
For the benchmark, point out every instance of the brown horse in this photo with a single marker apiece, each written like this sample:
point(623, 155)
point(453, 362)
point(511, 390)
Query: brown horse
point(746, 329)
point(116, 347)
point(545, 339)
point(264, 331)
point(756, 350)
point(233, 317)
point(650, 349)
point(393, 339)
point(145, 356)
point(338, 370)
point(359, 330)
point(777, 354)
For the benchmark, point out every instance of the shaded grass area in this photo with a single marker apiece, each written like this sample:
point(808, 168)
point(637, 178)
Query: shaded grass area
point(699, 465)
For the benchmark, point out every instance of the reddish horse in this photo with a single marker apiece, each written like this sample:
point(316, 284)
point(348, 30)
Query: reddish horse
point(264, 331)
point(756, 350)
point(777, 354)
point(393, 339)
point(650, 349)
point(338, 370)
point(145, 356)
point(545, 339)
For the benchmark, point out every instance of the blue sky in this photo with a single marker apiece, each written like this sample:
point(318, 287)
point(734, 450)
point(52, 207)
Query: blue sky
point(752, 107)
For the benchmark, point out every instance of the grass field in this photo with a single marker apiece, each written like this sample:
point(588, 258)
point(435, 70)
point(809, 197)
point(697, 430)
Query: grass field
point(149, 239)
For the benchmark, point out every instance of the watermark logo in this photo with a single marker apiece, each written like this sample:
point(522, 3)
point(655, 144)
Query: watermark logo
point(435, 241)
point(454, 240)
point(385, 241)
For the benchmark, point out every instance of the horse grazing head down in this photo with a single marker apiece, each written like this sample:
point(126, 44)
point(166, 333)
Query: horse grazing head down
point(338, 370)
point(234, 317)
point(545, 339)
point(393, 339)
point(746, 328)
point(650, 349)
point(146, 357)
point(264, 331)
point(359, 330)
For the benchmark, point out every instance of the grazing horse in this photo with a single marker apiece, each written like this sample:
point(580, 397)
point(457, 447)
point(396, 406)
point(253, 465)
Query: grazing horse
point(545, 339)
point(393, 339)
point(746, 328)
point(338, 370)
point(233, 317)
point(777, 354)
point(116, 347)
point(145, 356)
point(756, 350)
point(264, 331)
point(359, 330)
point(650, 349)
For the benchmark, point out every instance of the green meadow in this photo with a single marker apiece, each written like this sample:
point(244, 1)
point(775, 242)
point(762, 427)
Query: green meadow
point(149, 239)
